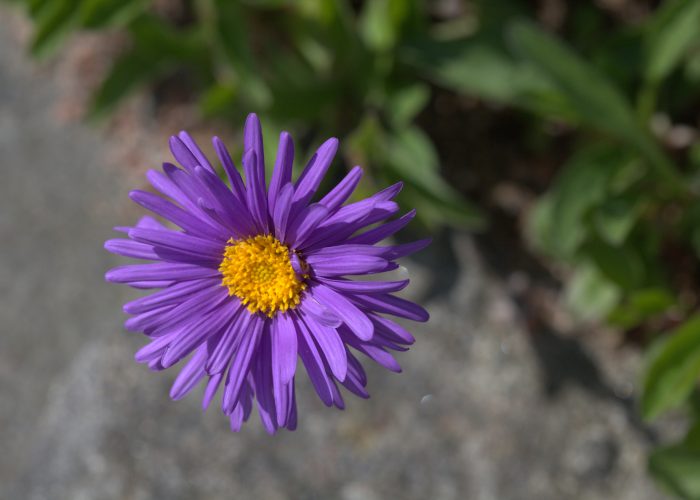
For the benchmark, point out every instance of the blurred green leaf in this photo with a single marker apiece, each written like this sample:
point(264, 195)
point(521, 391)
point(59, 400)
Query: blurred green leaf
point(615, 218)
point(582, 184)
point(621, 264)
point(640, 306)
point(381, 22)
point(672, 370)
point(131, 69)
point(476, 67)
point(589, 294)
point(411, 154)
point(676, 469)
point(596, 101)
point(228, 29)
point(674, 29)
point(96, 14)
point(404, 104)
point(53, 22)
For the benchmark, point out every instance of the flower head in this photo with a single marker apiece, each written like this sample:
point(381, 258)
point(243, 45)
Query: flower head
point(257, 276)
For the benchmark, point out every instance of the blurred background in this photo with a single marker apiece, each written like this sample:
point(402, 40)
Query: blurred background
point(552, 150)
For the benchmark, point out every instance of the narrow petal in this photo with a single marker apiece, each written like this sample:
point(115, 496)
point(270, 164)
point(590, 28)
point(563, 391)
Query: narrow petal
point(211, 389)
point(280, 217)
point(313, 362)
point(282, 172)
point(262, 378)
point(190, 375)
point(340, 193)
point(170, 296)
point(175, 214)
point(159, 271)
point(320, 312)
point(390, 304)
point(330, 344)
point(229, 342)
point(200, 157)
point(353, 317)
point(184, 243)
point(129, 248)
point(255, 190)
point(313, 174)
point(340, 265)
point(379, 233)
point(364, 286)
point(182, 153)
point(193, 336)
point(240, 365)
point(284, 348)
point(232, 173)
point(303, 225)
point(391, 329)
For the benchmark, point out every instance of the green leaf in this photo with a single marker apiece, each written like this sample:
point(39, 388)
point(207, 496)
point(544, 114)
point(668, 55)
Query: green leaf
point(590, 295)
point(404, 104)
point(132, 69)
point(597, 102)
point(640, 306)
point(674, 30)
point(615, 218)
point(672, 370)
point(676, 469)
point(581, 185)
point(100, 13)
point(479, 68)
point(381, 22)
point(411, 154)
point(621, 264)
point(53, 23)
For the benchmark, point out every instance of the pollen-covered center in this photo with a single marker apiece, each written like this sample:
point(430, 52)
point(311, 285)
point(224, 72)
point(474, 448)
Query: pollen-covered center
point(258, 270)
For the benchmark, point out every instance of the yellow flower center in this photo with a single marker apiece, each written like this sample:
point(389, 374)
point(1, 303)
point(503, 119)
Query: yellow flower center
point(258, 271)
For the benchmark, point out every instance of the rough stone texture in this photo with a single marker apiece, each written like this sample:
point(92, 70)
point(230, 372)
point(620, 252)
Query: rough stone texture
point(483, 410)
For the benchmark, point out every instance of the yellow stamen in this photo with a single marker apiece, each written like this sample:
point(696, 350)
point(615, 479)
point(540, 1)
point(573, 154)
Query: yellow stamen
point(258, 270)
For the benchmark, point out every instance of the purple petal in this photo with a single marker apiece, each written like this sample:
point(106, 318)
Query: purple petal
point(240, 365)
point(320, 312)
point(190, 375)
point(282, 172)
point(384, 231)
point(255, 185)
point(197, 333)
point(313, 174)
point(210, 391)
point(129, 248)
point(339, 265)
point(303, 225)
point(331, 345)
point(159, 271)
point(390, 304)
point(280, 216)
point(391, 329)
point(200, 157)
point(284, 348)
point(262, 379)
point(173, 295)
point(224, 350)
point(177, 215)
point(234, 177)
point(182, 153)
point(355, 319)
point(314, 364)
point(183, 243)
point(340, 193)
point(364, 286)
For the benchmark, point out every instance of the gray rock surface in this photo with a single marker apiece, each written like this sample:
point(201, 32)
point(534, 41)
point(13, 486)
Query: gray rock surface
point(483, 410)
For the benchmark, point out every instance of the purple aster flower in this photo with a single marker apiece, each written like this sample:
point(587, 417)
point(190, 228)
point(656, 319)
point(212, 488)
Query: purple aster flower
point(258, 275)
